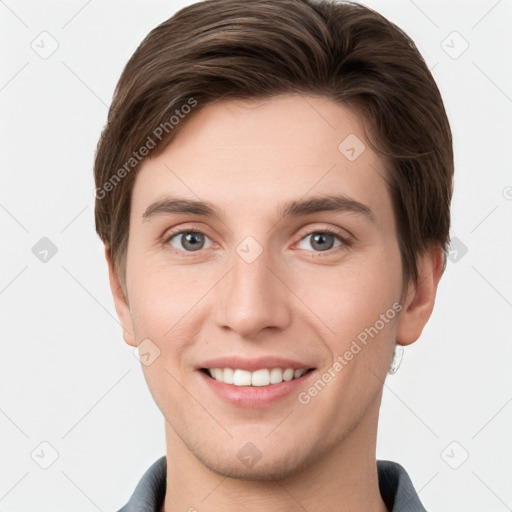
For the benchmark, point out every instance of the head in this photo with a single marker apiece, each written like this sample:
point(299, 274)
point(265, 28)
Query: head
point(312, 157)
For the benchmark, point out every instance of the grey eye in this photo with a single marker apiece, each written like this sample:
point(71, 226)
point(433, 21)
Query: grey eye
point(188, 240)
point(321, 241)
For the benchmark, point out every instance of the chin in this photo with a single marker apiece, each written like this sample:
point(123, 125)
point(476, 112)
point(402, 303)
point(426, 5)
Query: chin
point(271, 469)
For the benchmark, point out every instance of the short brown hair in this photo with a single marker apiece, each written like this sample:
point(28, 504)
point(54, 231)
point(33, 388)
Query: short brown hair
point(236, 49)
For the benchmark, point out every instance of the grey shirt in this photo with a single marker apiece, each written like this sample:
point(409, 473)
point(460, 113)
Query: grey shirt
point(395, 487)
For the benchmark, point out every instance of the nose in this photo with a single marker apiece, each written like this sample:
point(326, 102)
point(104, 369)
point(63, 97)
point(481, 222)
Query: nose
point(253, 297)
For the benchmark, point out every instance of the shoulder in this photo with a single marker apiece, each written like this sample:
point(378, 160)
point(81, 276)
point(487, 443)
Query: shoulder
point(396, 488)
point(150, 491)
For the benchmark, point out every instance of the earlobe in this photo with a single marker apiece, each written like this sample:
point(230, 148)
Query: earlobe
point(420, 298)
point(120, 302)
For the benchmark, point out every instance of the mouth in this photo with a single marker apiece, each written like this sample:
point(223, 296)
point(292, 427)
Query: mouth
point(261, 377)
point(256, 382)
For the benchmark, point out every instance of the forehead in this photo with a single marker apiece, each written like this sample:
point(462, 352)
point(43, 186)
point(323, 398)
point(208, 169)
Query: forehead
point(257, 154)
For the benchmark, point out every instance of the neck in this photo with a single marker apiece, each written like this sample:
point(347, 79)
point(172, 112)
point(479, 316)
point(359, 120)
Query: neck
point(345, 479)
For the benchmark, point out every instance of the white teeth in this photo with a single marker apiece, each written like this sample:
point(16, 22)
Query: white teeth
point(276, 376)
point(288, 374)
point(228, 375)
point(241, 378)
point(262, 377)
point(217, 373)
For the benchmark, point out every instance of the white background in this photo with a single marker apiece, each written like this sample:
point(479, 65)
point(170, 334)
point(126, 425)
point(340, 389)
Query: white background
point(67, 377)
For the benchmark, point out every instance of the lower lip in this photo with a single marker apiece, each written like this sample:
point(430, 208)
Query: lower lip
point(255, 396)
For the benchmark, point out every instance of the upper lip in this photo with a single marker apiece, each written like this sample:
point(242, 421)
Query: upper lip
point(236, 362)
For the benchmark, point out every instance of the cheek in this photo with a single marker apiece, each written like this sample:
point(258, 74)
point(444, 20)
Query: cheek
point(351, 298)
point(166, 305)
point(160, 296)
point(362, 312)
point(163, 312)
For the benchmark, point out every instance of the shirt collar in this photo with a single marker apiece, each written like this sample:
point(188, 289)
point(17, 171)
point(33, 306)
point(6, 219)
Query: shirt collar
point(395, 488)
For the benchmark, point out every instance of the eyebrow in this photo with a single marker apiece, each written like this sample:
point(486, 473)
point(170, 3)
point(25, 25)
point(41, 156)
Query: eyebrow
point(171, 204)
point(296, 208)
point(330, 203)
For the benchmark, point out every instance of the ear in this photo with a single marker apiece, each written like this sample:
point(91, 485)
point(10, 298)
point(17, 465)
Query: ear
point(121, 304)
point(420, 297)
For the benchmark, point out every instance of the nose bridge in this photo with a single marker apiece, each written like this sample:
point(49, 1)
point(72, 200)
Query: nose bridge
point(252, 297)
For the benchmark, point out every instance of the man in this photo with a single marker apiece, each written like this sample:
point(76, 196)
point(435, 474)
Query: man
point(273, 192)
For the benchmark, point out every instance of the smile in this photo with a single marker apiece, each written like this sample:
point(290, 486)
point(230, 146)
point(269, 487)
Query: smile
point(258, 378)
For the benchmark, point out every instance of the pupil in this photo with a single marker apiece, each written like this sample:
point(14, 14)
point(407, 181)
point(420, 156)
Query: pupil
point(192, 241)
point(320, 238)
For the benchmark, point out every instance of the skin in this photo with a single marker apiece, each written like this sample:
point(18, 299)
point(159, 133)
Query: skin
point(294, 301)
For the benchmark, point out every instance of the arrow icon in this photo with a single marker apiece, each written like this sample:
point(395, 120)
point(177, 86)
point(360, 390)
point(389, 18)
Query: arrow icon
point(44, 44)
point(249, 249)
point(454, 455)
point(44, 250)
point(249, 455)
point(351, 147)
point(457, 250)
point(454, 45)
point(44, 455)
point(146, 352)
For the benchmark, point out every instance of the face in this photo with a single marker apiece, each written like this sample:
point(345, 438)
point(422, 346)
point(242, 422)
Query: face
point(264, 278)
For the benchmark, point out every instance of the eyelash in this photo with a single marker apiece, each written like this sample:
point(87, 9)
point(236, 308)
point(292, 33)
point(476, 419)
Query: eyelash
point(345, 241)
